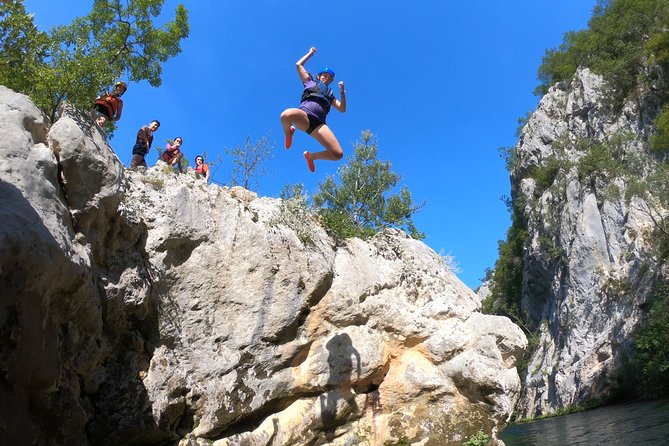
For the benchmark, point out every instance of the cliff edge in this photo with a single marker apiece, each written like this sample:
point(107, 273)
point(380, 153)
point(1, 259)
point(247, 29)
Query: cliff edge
point(152, 308)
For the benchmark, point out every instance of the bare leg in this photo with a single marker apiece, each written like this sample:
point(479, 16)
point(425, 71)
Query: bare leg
point(293, 117)
point(101, 121)
point(333, 151)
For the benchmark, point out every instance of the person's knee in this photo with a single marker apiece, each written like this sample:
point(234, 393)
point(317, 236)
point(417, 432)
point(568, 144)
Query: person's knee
point(337, 153)
point(285, 115)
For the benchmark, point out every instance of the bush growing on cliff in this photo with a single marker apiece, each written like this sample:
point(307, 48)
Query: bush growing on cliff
point(660, 140)
point(360, 202)
point(652, 344)
point(478, 439)
point(248, 161)
point(507, 280)
point(624, 43)
point(627, 42)
point(295, 213)
point(78, 61)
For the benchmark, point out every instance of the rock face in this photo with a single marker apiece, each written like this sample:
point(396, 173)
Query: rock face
point(150, 308)
point(588, 262)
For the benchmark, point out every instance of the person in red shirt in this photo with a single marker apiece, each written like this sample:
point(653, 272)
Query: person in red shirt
point(109, 106)
point(172, 154)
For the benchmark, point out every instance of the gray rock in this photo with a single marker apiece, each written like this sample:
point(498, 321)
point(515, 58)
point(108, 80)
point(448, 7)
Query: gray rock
point(583, 285)
point(149, 307)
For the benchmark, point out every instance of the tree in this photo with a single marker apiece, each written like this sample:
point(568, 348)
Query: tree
point(248, 161)
point(77, 61)
point(360, 203)
point(22, 47)
point(625, 43)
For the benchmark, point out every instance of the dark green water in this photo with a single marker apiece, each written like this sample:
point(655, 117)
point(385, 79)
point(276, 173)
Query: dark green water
point(630, 424)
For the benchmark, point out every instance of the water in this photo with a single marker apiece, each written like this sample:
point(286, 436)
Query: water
point(639, 423)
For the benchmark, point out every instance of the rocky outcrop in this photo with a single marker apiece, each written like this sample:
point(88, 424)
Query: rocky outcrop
point(589, 263)
point(151, 308)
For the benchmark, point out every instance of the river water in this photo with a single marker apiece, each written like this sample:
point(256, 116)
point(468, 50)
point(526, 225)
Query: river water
point(629, 424)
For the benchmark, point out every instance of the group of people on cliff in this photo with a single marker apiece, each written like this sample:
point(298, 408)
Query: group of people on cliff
point(316, 101)
point(108, 108)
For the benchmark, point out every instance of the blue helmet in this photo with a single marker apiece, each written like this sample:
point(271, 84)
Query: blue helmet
point(328, 71)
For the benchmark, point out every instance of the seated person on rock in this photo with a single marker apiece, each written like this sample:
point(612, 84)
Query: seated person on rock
point(201, 168)
point(172, 154)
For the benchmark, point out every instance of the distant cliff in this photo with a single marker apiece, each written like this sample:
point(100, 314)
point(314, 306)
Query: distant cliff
point(589, 239)
point(151, 308)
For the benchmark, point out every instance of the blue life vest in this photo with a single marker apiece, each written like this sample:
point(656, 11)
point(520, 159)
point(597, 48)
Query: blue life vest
point(320, 93)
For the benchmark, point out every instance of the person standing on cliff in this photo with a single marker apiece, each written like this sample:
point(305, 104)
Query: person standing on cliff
point(317, 97)
point(109, 106)
point(143, 144)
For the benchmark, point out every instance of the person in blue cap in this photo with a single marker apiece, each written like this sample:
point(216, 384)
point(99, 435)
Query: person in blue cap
point(317, 97)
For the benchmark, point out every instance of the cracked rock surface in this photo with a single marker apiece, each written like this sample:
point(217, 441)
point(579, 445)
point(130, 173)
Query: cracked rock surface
point(152, 308)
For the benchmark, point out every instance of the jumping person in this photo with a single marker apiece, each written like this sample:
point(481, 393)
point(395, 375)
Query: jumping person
point(108, 106)
point(143, 144)
point(172, 154)
point(317, 98)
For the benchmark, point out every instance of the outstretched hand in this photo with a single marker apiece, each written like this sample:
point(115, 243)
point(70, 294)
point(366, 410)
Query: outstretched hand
point(312, 50)
point(341, 85)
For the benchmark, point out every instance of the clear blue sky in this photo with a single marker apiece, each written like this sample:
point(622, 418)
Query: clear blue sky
point(441, 83)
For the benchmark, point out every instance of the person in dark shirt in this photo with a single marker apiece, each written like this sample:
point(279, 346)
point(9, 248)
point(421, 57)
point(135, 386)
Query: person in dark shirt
point(143, 143)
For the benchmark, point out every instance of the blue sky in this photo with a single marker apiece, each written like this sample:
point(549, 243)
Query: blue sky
point(441, 83)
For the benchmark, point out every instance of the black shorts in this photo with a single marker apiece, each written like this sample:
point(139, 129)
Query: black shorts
point(139, 149)
point(102, 110)
point(314, 123)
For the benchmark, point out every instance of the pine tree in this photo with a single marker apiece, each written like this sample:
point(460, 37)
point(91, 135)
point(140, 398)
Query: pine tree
point(360, 202)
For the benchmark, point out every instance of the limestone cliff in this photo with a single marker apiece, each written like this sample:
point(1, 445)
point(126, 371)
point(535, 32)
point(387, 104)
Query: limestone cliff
point(589, 260)
point(151, 308)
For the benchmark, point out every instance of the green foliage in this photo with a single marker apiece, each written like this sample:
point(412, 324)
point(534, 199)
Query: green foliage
point(295, 213)
point(545, 174)
point(598, 160)
point(652, 343)
point(561, 64)
point(567, 410)
point(660, 140)
point(78, 61)
point(247, 161)
point(360, 202)
point(522, 122)
point(22, 47)
point(507, 279)
point(625, 43)
point(510, 156)
point(479, 439)
point(607, 159)
point(402, 441)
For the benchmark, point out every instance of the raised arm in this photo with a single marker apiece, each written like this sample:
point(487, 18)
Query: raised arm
point(301, 71)
point(340, 104)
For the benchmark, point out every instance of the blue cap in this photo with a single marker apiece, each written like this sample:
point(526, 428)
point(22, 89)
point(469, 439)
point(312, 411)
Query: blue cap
point(328, 71)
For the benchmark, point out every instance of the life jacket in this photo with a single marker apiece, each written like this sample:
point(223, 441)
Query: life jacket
point(111, 102)
point(202, 169)
point(320, 93)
